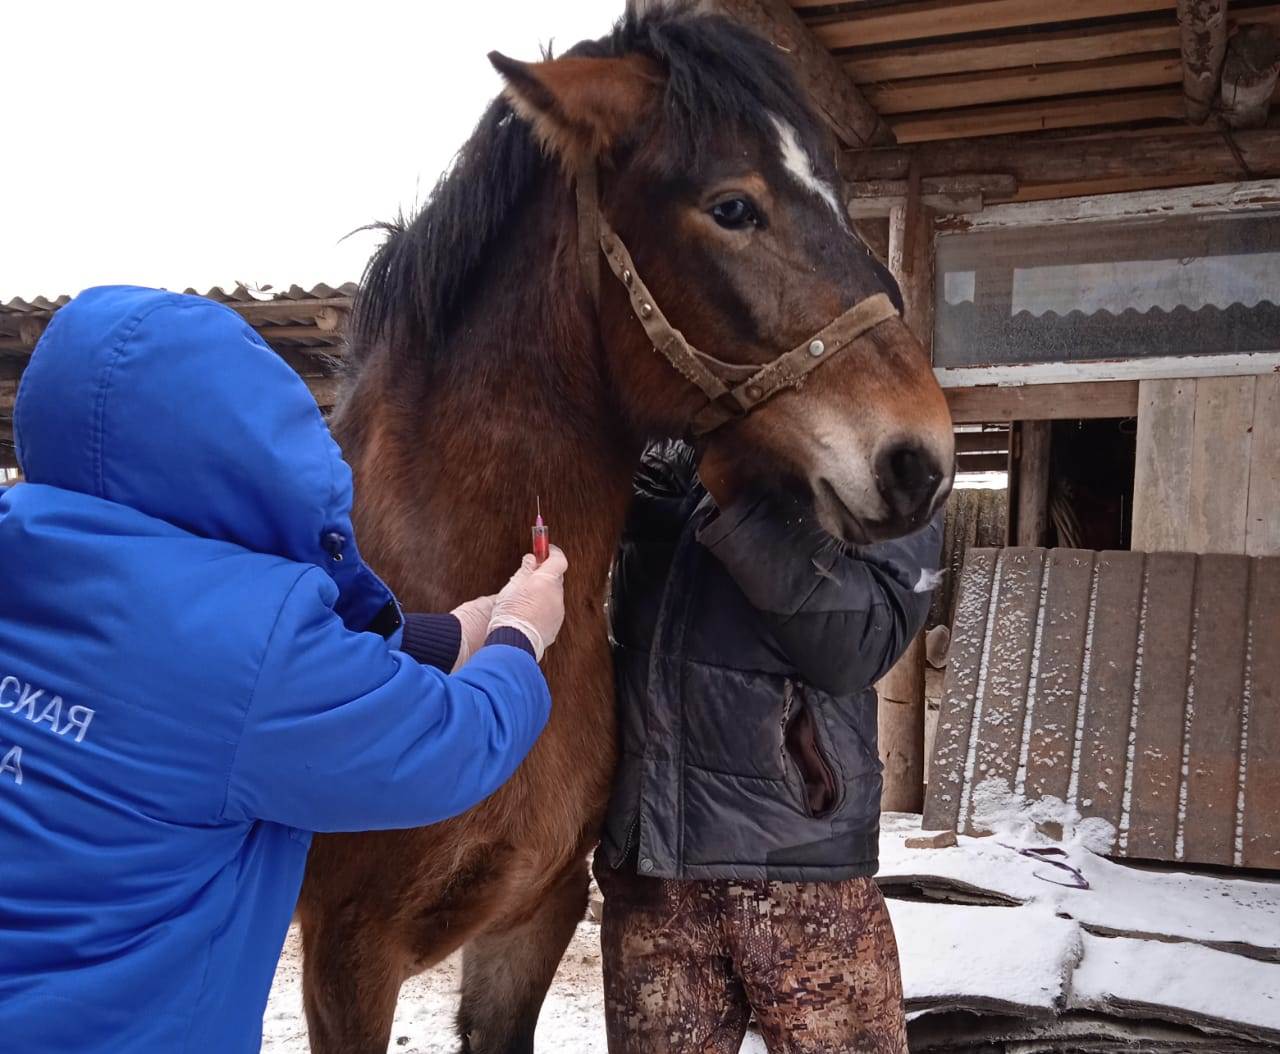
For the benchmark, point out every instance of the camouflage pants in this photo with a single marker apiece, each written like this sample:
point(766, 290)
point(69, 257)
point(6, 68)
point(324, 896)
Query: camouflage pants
point(685, 964)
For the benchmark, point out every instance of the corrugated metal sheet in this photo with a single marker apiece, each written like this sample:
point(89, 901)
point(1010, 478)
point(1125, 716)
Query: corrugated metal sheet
point(295, 317)
point(1142, 689)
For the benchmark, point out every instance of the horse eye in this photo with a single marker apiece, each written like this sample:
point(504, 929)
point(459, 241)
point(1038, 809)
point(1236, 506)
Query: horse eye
point(735, 214)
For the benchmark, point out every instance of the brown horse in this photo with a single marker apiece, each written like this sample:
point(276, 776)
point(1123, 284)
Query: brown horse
point(487, 374)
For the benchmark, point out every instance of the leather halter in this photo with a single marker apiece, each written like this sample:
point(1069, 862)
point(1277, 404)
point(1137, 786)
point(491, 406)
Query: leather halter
point(732, 389)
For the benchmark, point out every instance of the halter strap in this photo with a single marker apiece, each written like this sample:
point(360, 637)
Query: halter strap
point(732, 389)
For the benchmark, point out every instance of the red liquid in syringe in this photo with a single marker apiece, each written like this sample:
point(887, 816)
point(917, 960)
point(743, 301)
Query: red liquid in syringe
point(541, 537)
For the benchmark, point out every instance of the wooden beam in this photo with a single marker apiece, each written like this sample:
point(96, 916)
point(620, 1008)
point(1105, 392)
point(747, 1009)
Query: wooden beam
point(946, 194)
point(270, 333)
point(8, 393)
point(1024, 82)
point(1043, 402)
point(837, 98)
point(1002, 51)
point(988, 441)
point(1029, 48)
point(1249, 75)
point(1077, 112)
point(276, 310)
point(941, 18)
point(1203, 25)
point(982, 462)
point(1204, 157)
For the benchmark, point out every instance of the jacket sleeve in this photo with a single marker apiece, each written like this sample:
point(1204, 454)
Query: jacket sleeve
point(841, 615)
point(343, 733)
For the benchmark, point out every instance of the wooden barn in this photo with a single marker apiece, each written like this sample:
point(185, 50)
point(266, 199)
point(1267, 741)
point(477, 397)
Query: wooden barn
point(1081, 202)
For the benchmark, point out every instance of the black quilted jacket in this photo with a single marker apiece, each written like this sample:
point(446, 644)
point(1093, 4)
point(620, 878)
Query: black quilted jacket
point(746, 642)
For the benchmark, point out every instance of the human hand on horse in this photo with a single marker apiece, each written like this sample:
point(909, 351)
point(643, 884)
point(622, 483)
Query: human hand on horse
point(533, 600)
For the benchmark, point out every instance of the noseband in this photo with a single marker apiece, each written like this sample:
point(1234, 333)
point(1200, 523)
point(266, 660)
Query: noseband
point(732, 389)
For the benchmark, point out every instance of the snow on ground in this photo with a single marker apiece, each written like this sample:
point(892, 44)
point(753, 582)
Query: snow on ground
point(1118, 973)
point(1035, 956)
point(1120, 898)
point(1003, 959)
point(572, 1020)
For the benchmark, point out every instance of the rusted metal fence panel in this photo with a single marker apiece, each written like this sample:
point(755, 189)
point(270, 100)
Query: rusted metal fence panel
point(1143, 689)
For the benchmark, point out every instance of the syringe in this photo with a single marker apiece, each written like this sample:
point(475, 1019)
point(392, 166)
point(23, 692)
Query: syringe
point(541, 536)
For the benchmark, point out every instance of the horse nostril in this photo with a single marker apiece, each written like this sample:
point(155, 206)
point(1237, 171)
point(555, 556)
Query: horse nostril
point(908, 477)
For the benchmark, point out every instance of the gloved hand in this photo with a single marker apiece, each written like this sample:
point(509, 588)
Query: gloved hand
point(473, 617)
point(533, 601)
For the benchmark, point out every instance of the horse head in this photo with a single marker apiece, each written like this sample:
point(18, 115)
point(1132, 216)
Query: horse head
point(721, 183)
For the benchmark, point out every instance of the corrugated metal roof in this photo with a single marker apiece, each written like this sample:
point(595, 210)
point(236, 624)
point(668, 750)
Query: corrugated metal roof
point(295, 317)
point(239, 295)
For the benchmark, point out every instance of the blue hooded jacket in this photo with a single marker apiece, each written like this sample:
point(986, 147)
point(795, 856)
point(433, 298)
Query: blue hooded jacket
point(188, 683)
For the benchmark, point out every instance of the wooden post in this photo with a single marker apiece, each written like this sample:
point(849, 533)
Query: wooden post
point(1204, 44)
point(901, 716)
point(1032, 524)
point(901, 693)
point(912, 262)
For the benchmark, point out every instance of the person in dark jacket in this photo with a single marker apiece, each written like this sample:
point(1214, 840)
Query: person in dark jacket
point(742, 833)
point(197, 671)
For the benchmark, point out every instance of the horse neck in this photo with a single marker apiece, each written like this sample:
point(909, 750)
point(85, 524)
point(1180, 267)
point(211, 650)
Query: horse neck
point(448, 463)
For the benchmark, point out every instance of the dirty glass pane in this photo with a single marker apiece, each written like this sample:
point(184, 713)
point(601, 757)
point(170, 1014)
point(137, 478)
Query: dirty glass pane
point(1109, 290)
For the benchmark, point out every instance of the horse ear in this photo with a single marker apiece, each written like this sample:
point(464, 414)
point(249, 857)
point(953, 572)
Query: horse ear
point(580, 107)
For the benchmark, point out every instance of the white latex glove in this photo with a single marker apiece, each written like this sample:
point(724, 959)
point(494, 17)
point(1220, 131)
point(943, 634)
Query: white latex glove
point(533, 601)
point(473, 617)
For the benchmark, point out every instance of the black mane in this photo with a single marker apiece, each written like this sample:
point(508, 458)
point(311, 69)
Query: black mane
point(718, 75)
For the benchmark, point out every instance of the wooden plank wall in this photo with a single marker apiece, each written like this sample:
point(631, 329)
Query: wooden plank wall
point(1207, 478)
point(1144, 689)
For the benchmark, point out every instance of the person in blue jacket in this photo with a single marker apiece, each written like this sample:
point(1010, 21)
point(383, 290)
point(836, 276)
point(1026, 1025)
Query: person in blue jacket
point(197, 672)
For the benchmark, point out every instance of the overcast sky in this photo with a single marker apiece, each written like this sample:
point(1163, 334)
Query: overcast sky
point(180, 144)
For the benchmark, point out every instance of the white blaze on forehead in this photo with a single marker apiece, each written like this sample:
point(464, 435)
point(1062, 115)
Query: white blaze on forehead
point(797, 161)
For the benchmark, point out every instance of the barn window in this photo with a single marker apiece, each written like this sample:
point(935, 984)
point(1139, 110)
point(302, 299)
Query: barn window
point(1084, 296)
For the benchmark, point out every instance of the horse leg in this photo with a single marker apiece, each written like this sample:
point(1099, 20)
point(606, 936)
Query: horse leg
point(351, 979)
point(505, 975)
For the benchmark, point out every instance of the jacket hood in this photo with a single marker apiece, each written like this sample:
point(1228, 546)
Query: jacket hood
point(172, 405)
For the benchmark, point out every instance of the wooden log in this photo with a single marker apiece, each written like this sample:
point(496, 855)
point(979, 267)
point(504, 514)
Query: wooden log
point(838, 99)
point(1203, 25)
point(1033, 483)
point(1203, 157)
point(331, 319)
point(940, 18)
point(901, 733)
point(1026, 82)
point(1043, 402)
point(1249, 75)
point(1076, 112)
